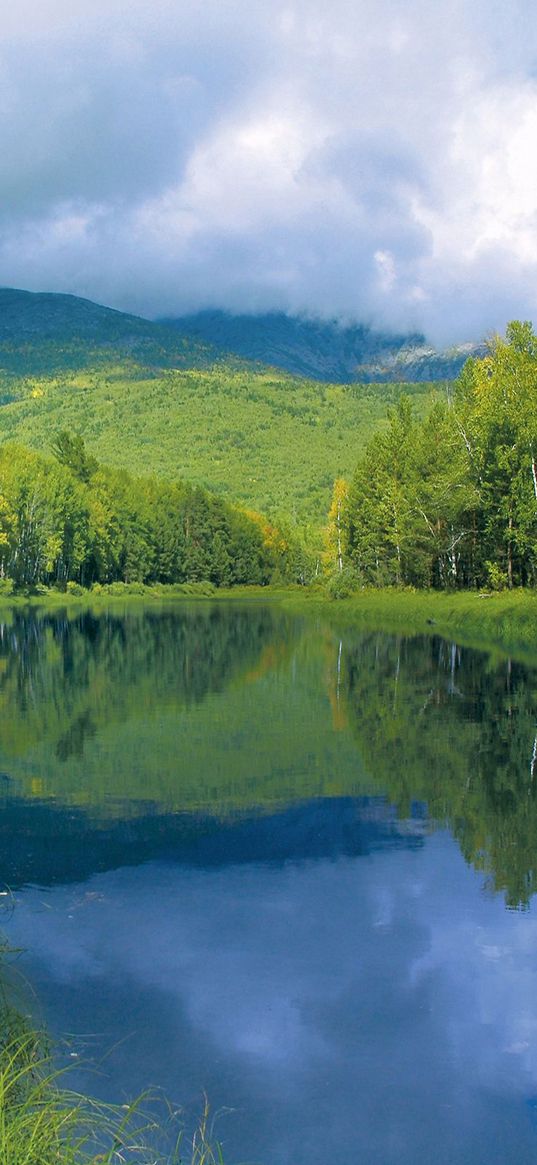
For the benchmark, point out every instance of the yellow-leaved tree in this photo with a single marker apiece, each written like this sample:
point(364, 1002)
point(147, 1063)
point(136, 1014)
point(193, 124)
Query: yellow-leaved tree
point(335, 531)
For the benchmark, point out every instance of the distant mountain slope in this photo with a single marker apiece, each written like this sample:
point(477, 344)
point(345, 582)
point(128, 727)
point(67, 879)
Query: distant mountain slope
point(48, 315)
point(44, 332)
point(152, 399)
point(324, 350)
point(258, 437)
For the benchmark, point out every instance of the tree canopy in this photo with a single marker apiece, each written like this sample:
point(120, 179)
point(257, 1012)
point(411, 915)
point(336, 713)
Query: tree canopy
point(73, 520)
point(451, 500)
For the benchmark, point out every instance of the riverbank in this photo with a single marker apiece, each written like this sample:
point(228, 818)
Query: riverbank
point(505, 620)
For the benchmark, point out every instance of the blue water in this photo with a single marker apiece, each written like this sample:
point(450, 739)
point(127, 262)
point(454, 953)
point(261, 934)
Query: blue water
point(348, 979)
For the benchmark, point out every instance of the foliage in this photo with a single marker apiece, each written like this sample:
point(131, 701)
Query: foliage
point(342, 583)
point(70, 521)
point(266, 440)
point(335, 531)
point(451, 500)
point(69, 449)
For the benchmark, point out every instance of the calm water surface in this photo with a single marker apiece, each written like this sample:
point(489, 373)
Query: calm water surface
point(292, 870)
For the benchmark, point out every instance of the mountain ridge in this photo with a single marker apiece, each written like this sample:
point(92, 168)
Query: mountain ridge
point(45, 331)
point(325, 350)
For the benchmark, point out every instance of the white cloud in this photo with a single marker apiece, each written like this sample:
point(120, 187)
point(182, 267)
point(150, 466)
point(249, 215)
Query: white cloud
point(163, 157)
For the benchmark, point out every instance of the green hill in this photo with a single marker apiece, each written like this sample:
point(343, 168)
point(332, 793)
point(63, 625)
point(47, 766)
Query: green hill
point(150, 400)
point(268, 441)
point(45, 332)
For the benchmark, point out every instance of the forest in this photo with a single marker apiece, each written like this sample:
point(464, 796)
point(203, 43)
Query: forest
point(450, 500)
point(66, 521)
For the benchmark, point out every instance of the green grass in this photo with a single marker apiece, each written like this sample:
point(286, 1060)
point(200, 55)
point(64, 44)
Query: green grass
point(42, 1122)
point(506, 620)
point(268, 440)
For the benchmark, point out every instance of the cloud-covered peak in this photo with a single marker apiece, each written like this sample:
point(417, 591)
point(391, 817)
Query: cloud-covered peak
point(370, 160)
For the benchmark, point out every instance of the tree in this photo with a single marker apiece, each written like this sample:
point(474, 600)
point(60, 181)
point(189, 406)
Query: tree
point(69, 449)
point(336, 531)
point(380, 522)
point(496, 410)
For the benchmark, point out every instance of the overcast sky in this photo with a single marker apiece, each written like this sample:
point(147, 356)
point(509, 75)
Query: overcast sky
point(366, 159)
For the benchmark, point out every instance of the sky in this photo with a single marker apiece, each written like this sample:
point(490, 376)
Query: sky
point(369, 160)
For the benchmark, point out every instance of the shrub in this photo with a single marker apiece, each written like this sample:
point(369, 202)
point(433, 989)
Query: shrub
point(343, 584)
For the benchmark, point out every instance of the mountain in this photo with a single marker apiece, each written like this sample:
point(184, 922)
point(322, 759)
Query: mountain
point(46, 332)
point(43, 332)
point(157, 399)
point(324, 350)
point(152, 400)
point(31, 315)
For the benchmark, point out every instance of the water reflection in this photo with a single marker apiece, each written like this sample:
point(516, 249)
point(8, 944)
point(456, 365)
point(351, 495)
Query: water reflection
point(375, 1007)
point(248, 857)
point(457, 729)
point(48, 844)
point(63, 676)
point(231, 710)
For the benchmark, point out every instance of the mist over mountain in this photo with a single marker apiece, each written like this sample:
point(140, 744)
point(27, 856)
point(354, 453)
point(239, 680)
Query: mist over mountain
point(324, 350)
point(46, 331)
point(369, 161)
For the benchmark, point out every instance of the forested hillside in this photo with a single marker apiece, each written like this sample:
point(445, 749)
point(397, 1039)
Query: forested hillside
point(264, 439)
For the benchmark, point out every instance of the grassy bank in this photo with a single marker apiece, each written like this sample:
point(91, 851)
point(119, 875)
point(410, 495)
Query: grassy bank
point(42, 1122)
point(505, 620)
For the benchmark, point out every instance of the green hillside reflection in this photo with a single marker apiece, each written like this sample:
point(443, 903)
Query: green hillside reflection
point(203, 707)
point(231, 711)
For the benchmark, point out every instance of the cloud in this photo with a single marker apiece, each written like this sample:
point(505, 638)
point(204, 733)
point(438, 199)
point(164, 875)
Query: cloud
point(373, 161)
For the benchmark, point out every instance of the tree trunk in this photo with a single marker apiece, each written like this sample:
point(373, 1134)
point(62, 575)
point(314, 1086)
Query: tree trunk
point(510, 556)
